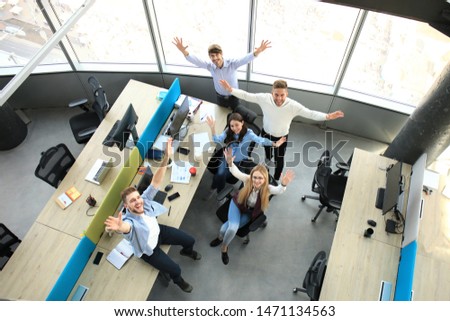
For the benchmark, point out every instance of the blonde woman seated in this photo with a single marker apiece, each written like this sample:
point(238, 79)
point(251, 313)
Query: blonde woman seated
point(248, 204)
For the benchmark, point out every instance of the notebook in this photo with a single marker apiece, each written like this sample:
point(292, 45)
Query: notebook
point(180, 173)
point(99, 171)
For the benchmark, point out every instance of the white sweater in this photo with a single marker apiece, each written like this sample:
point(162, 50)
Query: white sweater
point(277, 120)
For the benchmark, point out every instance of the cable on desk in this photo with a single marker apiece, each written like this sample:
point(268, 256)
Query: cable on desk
point(89, 208)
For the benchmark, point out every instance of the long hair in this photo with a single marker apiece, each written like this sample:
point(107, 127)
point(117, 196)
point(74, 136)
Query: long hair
point(263, 192)
point(230, 134)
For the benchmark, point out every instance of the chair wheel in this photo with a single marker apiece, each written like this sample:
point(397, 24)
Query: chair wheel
point(303, 198)
point(313, 220)
point(294, 290)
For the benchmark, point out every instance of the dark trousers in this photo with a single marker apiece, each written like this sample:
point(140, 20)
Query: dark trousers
point(227, 101)
point(277, 152)
point(160, 260)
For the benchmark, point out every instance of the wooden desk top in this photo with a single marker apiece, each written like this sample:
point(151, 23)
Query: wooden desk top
point(357, 265)
point(432, 269)
point(36, 264)
point(73, 220)
point(136, 278)
point(44, 252)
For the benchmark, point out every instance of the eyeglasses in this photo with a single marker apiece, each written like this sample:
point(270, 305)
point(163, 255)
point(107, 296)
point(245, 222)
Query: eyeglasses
point(257, 177)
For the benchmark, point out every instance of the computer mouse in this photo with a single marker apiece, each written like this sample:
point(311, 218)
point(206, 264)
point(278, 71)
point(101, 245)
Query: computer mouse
point(168, 187)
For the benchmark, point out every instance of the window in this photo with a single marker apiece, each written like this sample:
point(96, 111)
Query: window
point(110, 32)
point(309, 39)
point(23, 32)
point(201, 23)
point(396, 59)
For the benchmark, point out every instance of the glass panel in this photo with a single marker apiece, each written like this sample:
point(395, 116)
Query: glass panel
point(23, 32)
point(201, 23)
point(396, 59)
point(111, 31)
point(309, 39)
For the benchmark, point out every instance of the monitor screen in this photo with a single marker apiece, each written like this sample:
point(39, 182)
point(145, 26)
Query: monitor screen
point(178, 119)
point(145, 180)
point(393, 187)
point(122, 129)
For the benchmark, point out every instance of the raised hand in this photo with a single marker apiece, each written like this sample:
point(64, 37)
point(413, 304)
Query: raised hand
point(226, 85)
point(279, 142)
point(178, 42)
point(335, 115)
point(263, 46)
point(114, 223)
point(287, 177)
point(228, 154)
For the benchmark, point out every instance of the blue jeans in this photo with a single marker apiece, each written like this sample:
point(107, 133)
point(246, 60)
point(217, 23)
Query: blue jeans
point(236, 219)
point(160, 260)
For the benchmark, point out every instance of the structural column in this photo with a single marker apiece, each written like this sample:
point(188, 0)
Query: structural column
point(12, 129)
point(427, 130)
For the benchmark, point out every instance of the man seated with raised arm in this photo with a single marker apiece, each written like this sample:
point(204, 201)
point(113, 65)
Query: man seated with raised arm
point(139, 225)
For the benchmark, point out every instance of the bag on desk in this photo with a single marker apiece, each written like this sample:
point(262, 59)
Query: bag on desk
point(155, 154)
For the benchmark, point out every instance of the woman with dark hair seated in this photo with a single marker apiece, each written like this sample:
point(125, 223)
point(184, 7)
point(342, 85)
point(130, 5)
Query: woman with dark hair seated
point(251, 200)
point(237, 137)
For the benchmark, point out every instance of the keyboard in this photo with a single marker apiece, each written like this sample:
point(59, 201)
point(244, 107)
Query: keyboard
point(99, 171)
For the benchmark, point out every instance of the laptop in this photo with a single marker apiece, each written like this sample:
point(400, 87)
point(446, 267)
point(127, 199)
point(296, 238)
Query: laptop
point(99, 171)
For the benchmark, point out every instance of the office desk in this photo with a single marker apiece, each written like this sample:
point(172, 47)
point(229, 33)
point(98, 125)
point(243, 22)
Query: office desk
point(357, 265)
point(432, 270)
point(44, 252)
point(136, 278)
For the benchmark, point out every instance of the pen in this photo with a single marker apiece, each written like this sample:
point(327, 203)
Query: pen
point(170, 207)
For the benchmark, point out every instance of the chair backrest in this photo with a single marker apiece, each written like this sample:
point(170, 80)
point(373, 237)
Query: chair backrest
point(101, 104)
point(313, 280)
point(54, 164)
point(8, 243)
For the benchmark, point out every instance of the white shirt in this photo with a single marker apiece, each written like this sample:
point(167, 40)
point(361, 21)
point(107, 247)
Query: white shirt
point(153, 227)
point(277, 120)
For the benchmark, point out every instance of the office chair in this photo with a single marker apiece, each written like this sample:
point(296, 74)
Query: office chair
point(84, 125)
point(8, 244)
point(249, 117)
point(312, 283)
point(54, 164)
point(329, 186)
point(259, 222)
point(222, 214)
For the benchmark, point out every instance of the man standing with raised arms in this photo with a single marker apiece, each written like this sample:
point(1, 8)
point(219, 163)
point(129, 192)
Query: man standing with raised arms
point(221, 68)
point(278, 112)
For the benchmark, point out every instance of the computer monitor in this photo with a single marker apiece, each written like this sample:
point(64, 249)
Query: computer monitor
point(393, 187)
point(145, 180)
point(122, 129)
point(178, 119)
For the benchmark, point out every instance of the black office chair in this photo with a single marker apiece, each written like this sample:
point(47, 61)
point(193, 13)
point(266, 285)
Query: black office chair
point(253, 225)
point(312, 283)
point(329, 186)
point(54, 164)
point(84, 125)
point(249, 117)
point(259, 222)
point(8, 244)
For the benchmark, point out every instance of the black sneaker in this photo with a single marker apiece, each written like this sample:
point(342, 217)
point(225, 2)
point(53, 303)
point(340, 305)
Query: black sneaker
point(193, 255)
point(215, 242)
point(225, 258)
point(186, 287)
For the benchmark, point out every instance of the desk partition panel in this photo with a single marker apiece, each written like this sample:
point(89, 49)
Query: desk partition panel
point(158, 119)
